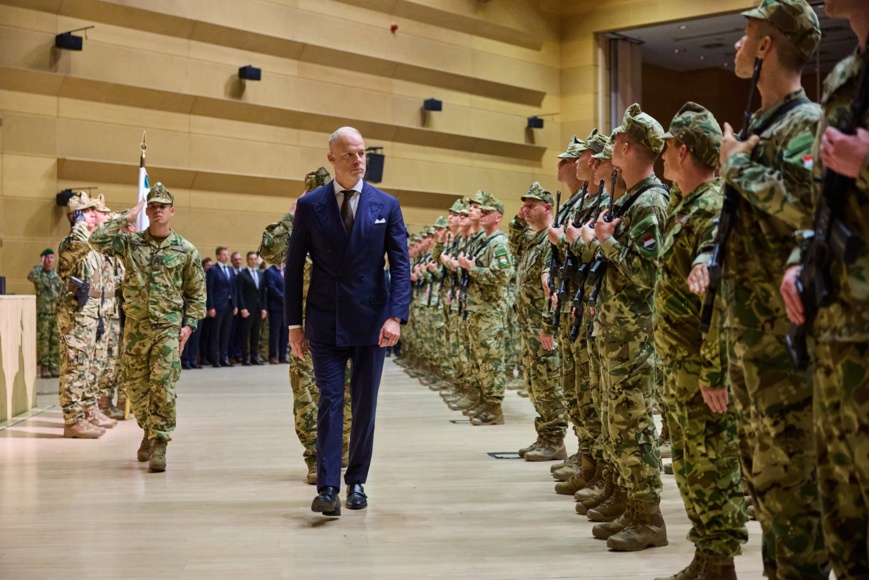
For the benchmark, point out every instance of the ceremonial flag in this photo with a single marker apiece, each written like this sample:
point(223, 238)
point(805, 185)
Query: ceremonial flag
point(142, 221)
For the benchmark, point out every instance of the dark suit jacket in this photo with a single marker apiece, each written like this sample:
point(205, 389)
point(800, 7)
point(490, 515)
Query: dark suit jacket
point(222, 292)
point(348, 299)
point(250, 297)
point(275, 287)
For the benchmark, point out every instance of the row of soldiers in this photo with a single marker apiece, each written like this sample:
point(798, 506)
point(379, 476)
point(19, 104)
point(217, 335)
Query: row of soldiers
point(632, 294)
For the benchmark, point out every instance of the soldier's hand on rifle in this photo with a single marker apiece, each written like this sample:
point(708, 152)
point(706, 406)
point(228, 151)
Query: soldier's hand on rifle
point(715, 399)
point(587, 232)
point(572, 233)
point(731, 146)
point(544, 279)
point(446, 259)
point(466, 263)
point(432, 266)
point(133, 213)
point(547, 341)
point(554, 234)
point(843, 153)
point(442, 235)
point(698, 279)
point(554, 298)
point(604, 229)
point(788, 289)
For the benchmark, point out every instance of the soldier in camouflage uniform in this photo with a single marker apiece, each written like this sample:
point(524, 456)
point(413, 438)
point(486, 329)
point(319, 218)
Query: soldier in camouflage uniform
point(770, 172)
point(273, 249)
point(489, 270)
point(439, 273)
point(702, 420)
point(629, 234)
point(163, 275)
point(529, 243)
point(841, 329)
point(49, 290)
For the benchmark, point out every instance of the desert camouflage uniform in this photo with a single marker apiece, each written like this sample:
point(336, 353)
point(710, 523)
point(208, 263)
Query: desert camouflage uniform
point(108, 348)
point(49, 291)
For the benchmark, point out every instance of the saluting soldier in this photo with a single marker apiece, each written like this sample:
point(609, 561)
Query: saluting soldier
point(49, 290)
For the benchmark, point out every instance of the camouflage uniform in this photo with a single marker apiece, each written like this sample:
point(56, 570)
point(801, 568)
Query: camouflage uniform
point(704, 443)
point(486, 304)
point(161, 277)
point(78, 326)
point(49, 291)
point(842, 350)
point(774, 401)
point(542, 377)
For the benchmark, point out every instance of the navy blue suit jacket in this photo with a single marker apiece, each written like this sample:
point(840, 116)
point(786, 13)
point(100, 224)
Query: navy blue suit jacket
point(348, 300)
point(275, 289)
point(222, 293)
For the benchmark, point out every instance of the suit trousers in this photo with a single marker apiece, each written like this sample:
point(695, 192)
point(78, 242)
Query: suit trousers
point(221, 328)
point(279, 335)
point(249, 329)
point(330, 364)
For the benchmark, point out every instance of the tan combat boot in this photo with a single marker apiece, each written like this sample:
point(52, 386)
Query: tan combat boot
point(595, 486)
point(532, 447)
point(82, 429)
point(614, 506)
point(522, 393)
point(567, 469)
point(475, 410)
point(144, 452)
point(311, 478)
point(645, 530)
point(109, 410)
point(548, 451)
point(45, 372)
point(490, 415)
point(609, 487)
point(605, 530)
point(157, 462)
point(571, 486)
point(718, 568)
point(692, 572)
point(463, 404)
point(93, 414)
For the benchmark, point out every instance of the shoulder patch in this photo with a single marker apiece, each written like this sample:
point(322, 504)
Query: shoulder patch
point(649, 242)
point(799, 148)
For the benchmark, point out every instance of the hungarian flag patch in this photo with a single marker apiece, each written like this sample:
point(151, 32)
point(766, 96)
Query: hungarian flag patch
point(808, 162)
point(649, 242)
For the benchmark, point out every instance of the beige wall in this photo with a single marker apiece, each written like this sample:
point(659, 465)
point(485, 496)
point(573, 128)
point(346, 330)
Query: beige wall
point(234, 154)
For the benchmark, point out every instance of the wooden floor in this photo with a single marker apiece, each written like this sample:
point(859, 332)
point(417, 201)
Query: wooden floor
point(233, 505)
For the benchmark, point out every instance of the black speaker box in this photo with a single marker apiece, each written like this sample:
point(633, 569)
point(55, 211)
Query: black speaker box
point(250, 73)
point(68, 41)
point(62, 198)
point(374, 167)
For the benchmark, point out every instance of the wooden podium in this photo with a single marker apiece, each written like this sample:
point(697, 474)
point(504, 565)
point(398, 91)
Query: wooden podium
point(17, 355)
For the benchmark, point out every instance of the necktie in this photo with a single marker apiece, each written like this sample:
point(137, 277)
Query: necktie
point(255, 279)
point(347, 211)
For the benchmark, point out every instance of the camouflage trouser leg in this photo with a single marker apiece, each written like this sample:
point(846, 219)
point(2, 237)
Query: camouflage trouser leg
point(446, 356)
point(47, 341)
point(542, 379)
point(841, 424)
point(305, 398)
point(705, 460)
point(151, 367)
point(98, 362)
point(627, 366)
point(108, 378)
point(469, 330)
point(567, 364)
point(77, 338)
point(460, 355)
point(602, 449)
point(586, 386)
point(777, 451)
point(487, 339)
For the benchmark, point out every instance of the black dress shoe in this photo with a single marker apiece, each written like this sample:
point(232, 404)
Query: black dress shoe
point(256, 361)
point(195, 366)
point(186, 365)
point(216, 365)
point(356, 498)
point(226, 363)
point(327, 502)
point(245, 363)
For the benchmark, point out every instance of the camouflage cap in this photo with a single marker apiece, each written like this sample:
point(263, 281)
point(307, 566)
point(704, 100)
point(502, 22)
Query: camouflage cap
point(457, 206)
point(795, 19)
point(413, 238)
point(100, 204)
point(574, 148)
point(466, 203)
point(160, 194)
point(80, 201)
point(427, 231)
point(595, 142)
point(441, 222)
point(696, 128)
point(607, 152)
point(642, 127)
point(47, 252)
point(488, 202)
point(536, 191)
point(317, 178)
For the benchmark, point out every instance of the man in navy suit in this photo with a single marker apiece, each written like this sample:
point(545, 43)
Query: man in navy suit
point(347, 227)
point(252, 308)
point(222, 305)
point(278, 336)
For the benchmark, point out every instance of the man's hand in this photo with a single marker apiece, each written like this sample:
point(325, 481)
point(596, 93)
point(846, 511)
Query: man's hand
point(390, 333)
point(413, 277)
point(572, 233)
point(212, 313)
point(843, 153)
point(521, 213)
point(432, 266)
point(788, 289)
point(185, 333)
point(698, 279)
point(75, 216)
point(604, 229)
point(298, 342)
point(547, 341)
point(234, 311)
point(265, 314)
point(554, 234)
point(467, 263)
point(731, 146)
point(544, 279)
point(587, 232)
point(715, 399)
point(133, 213)
point(245, 313)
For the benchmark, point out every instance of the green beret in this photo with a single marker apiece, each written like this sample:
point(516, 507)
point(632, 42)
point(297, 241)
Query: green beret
point(536, 191)
point(46, 252)
point(159, 194)
point(696, 128)
point(795, 19)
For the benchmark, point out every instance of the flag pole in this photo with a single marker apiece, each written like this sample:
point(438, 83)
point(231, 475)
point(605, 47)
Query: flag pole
point(142, 221)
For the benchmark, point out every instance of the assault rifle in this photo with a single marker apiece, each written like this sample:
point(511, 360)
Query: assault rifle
point(598, 269)
point(727, 216)
point(568, 270)
point(554, 262)
point(444, 271)
point(830, 239)
point(581, 276)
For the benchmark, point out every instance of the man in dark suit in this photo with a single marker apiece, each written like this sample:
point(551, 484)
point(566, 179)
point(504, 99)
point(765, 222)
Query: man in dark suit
point(278, 336)
point(222, 305)
point(252, 309)
point(347, 227)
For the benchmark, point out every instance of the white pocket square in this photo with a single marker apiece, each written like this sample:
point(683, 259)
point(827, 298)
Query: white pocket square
point(380, 221)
